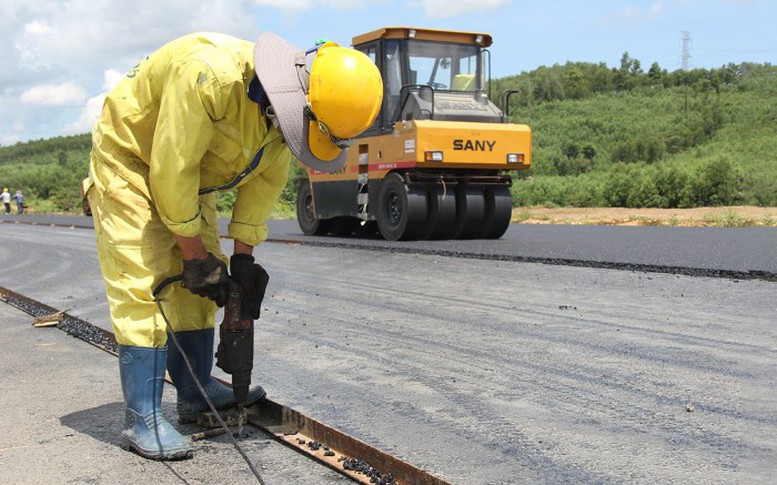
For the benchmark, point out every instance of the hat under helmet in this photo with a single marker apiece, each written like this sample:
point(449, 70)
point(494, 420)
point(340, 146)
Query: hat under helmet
point(321, 98)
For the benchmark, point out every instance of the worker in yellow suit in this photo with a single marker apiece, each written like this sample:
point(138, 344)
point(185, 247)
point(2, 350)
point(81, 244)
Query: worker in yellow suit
point(204, 113)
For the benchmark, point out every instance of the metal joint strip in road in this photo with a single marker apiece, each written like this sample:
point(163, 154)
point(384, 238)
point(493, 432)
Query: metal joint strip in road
point(337, 450)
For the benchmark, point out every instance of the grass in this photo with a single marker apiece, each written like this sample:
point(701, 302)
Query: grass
point(42, 206)
point(730, 219)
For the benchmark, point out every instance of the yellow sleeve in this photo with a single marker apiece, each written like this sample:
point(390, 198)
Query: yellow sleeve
point(191, 101)
point(255, 201)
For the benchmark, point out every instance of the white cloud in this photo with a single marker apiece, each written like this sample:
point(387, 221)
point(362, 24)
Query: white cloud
point(451, 8)
point(12, 136)
point(344, 3)
point(286, 4)
point(37, 27)
point(68, 93)
point(291, 9)
point(93, 106)
point(54, 53)
point(111, 78)
point(632, 14)
point(300, 5)
point(88, 116)
point(71, 35)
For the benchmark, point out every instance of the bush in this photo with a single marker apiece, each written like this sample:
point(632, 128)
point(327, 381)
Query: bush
point(648, 150)
point(644, 193)
point(66, 198)
point(672, 182)
point(225, 202)
point(618, 186)
point(719, 183)
point(583, 191)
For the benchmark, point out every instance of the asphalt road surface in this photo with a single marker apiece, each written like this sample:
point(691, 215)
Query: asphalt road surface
point(706, 251)
point(496, 370)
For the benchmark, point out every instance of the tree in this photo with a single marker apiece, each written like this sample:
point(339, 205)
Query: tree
point(636, 68)
point(576, 85)
point(671, 182)
point(656, 75)
point(625, 62)
point(719, 183)
point(571, 150)
point(644, 193)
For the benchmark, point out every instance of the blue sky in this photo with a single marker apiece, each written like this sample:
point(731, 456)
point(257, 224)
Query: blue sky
point(60, 58)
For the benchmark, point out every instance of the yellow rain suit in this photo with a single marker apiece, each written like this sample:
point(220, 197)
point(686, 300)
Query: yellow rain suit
point(180, 123)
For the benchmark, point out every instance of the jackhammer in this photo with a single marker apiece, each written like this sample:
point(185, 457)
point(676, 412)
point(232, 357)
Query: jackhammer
point(235, 352)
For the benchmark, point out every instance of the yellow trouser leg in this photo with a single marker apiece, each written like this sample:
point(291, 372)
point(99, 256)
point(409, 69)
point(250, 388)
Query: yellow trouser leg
point(136, 252)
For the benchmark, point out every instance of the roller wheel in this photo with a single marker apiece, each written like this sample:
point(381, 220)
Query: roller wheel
point(498, 210)
point(442, 213)
point(401, 210)
point(306, 216)
point(470, 211)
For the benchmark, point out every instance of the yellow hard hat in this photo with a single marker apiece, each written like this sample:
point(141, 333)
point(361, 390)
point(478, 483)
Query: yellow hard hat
point(321, 98)
point(344, 96)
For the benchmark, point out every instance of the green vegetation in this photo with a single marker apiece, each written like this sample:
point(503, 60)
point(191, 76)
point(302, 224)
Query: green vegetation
point(49, 173)
point(625, 138)
point(617, 137)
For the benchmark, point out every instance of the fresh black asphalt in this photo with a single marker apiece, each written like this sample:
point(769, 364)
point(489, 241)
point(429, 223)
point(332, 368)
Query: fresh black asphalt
point(738, 253)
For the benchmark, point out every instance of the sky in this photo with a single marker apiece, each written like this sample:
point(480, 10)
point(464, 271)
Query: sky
point(59, 58)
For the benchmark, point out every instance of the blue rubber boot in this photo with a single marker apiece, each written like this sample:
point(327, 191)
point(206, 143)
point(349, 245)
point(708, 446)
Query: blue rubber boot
point(142, 371)
point(198, 346)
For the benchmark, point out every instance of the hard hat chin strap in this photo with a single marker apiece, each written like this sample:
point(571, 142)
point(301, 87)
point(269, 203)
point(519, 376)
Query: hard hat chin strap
point(303, 71)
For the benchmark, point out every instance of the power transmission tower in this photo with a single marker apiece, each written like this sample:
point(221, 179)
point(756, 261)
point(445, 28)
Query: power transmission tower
point(685, 57)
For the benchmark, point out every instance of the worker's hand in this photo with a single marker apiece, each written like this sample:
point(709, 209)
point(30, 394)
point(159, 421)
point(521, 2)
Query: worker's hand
point(207, 277)
point(253, 279)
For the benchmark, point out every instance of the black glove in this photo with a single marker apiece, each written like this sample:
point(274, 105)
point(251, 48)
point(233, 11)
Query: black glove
point(253, 279)
point(207, 277)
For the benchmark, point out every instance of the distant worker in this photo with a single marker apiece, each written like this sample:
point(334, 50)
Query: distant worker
point(7, 200)
point(204, 113)
point(19, 197)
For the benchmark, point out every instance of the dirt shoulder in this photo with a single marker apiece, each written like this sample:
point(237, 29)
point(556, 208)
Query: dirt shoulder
point(732, 216)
